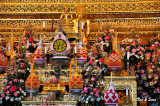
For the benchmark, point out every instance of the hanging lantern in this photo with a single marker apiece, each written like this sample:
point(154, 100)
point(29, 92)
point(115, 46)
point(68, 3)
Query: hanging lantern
point(3, 61)
point(114, 62)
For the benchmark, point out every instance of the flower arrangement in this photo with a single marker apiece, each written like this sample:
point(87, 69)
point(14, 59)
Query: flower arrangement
point(17, 73)
point(93, 75)
point(148, 71)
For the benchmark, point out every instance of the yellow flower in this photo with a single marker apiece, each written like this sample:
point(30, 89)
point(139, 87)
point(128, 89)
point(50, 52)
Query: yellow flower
point(151, 70)
point(151, 83)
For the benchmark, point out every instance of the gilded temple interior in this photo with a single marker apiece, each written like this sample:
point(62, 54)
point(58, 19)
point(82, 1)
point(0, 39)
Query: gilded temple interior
point(121, 16)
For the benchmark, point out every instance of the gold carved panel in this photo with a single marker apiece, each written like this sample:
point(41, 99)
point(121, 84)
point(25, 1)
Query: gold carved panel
point(93, 7)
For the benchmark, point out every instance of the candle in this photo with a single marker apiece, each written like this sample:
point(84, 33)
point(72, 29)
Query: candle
point(45, 50)
point(43, 24)
point(75, 48)
point(128, 55)
point(127, 92)
point(9, 47)
point(58, 87)
point(111, 76)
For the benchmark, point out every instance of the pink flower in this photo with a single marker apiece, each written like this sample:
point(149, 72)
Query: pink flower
point(91, 85)
point(22, 71)
point(11, 72)
point(86, 82)
point(100, 39)
point(8, 87)
point(101, 60)
point(96, 90)
point(27, 56)
point(149, 76)
point(85, 89)
point(20, 89)
point(106, 31)
point(10, 83)
point(134, 44)
point(28, 32)
point(96, 43)
point(22, 65)
point(107, 38)
point(7, 92)
point(15, 94)
point(96, 94)
point(86, 73)
point(140, 52)
point(54, 80)
point(92, 79)
point(103, 92)
point(13, 88)
point(155, 81)
point(127, 47)
point(91, 93)
point(144, 94)
point(133, 50)
point(90, 61)
point(18, 47)
point(3, 96)
point(15, 80)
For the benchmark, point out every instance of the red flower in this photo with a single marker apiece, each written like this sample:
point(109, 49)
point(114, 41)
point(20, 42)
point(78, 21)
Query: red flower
point(22, 65)
point(95, 52)
point(31, 39)
point(13, 88)
point(96, 90)
point(28, 32)
point(107, 38)
point(101, 60)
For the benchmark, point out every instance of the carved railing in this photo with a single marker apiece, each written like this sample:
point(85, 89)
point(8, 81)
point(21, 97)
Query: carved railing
point(93, 7)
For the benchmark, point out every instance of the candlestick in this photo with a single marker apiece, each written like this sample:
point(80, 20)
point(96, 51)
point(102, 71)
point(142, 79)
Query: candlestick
point(42, 101)
point(46, 101)
point(49, 101)
point(126, 92)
